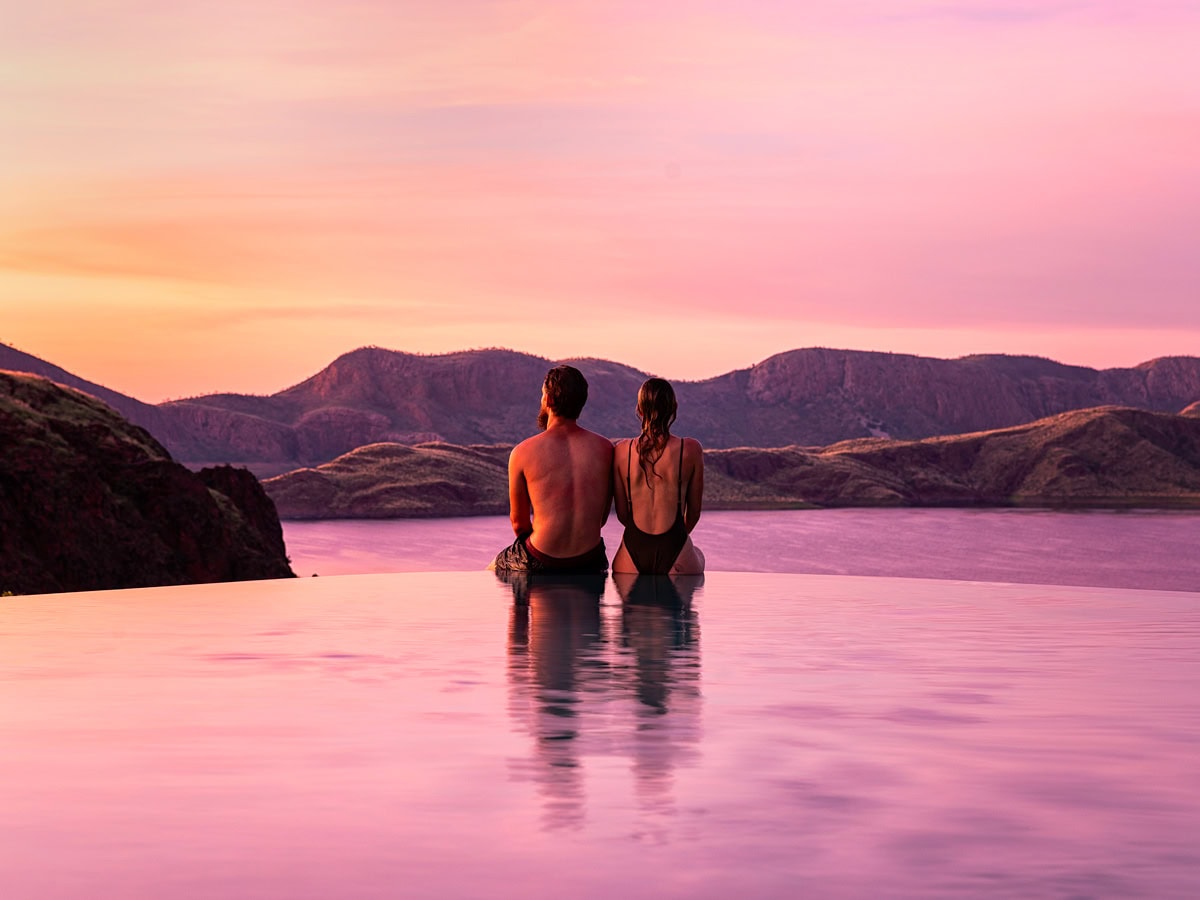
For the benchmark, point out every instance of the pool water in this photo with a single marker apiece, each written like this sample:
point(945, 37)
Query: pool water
point(454, 735)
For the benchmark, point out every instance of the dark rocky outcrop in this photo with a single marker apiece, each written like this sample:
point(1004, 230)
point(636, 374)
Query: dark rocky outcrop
point(89, 501)
point(1102, 457)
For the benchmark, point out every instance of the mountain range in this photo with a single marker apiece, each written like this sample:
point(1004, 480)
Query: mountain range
point(809, 397)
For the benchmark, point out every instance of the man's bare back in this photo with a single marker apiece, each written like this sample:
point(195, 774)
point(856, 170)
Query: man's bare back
point(561, 478)
point(559, 486)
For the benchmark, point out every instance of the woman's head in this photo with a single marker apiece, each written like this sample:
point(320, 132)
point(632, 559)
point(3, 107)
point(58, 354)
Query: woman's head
point(656, 407)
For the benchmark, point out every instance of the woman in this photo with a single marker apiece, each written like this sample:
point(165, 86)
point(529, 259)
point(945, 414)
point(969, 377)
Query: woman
point(658, 483)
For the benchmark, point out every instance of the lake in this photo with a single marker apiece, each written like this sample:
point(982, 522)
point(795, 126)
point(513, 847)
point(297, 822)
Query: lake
point(433, 735)
point(1129, 549)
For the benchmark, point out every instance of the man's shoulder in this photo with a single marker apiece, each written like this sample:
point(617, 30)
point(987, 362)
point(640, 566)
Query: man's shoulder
point(524, 449)
point(601, 443)
point(527, 443)
point(547, 441)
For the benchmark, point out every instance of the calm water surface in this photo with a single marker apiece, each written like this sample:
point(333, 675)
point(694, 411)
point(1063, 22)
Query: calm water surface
point(1136, 549)
point(451, 735)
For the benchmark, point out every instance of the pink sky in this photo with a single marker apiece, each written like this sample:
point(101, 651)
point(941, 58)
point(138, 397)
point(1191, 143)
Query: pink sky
point(220, 196)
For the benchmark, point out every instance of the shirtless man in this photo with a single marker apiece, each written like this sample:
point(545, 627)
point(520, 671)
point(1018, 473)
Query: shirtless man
point(559, 486)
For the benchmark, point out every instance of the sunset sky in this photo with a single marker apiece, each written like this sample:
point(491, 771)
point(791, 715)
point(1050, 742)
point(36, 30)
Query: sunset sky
point(202, 196)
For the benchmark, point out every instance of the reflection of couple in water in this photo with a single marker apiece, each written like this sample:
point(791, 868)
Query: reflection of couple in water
point(587, 683)
point(563, 482)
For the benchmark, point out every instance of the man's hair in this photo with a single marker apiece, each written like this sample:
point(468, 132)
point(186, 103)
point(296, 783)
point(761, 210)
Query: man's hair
point(566, 391)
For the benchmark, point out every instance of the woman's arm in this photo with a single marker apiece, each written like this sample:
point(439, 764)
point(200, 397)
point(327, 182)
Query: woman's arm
point(693, 467)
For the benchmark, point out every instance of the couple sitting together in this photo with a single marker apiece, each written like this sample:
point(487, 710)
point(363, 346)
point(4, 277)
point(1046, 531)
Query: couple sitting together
point(562, 484)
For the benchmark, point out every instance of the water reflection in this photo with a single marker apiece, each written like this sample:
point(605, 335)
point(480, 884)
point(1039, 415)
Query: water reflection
point(555, 659)
point(660, 639)
point(589, 680)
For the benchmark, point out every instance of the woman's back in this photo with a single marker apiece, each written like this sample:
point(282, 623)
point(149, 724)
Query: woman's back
point(656, 498)
point(658, 486)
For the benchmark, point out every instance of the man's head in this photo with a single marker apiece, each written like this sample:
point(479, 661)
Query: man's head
point(566, 392)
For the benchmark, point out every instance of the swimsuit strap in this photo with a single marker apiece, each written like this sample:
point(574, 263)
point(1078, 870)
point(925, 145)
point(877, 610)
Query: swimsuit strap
point(681, 474)
point(628, 470)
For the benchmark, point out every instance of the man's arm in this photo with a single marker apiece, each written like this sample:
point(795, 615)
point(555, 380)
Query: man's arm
point(520, 508)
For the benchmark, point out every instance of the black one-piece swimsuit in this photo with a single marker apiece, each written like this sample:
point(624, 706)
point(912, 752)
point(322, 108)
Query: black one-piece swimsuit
point(654, 554)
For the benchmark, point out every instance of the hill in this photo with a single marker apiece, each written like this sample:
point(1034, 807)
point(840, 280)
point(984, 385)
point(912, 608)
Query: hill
point(89, 501)
point(1101, 457)
point(1107, 457)
point(381, 481)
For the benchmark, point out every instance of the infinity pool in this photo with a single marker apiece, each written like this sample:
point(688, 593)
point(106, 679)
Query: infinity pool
point(452, 735)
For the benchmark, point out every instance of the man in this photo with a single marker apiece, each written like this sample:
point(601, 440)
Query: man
point(559, 486)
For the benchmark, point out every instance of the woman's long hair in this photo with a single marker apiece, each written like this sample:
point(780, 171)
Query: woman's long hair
point(657, 407)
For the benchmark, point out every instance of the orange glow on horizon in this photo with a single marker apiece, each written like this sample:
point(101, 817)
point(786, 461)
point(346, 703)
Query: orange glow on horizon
point(193, 208)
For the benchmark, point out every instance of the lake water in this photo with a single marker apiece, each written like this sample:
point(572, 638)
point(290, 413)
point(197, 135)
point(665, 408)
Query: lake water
point(1133, 549)
point(450, 735)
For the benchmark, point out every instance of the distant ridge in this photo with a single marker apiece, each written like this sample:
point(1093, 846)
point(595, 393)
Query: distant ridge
point(1102, 457)
point(806, 397)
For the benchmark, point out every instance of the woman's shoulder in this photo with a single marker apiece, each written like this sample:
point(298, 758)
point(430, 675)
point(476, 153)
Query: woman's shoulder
point(620, 449)
point(693, 453)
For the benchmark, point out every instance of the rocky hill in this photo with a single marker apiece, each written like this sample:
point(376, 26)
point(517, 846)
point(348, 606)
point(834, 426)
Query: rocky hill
point(1102, 457)
point(89, 501)
point(1106, 457)
point(373, 395)
point(382, 481)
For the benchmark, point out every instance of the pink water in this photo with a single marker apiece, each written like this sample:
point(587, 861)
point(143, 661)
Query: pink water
point(438, 735)
point(1139, 549)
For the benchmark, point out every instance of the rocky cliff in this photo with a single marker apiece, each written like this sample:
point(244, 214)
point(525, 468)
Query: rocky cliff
point(1105, 457)
point(89, 501)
